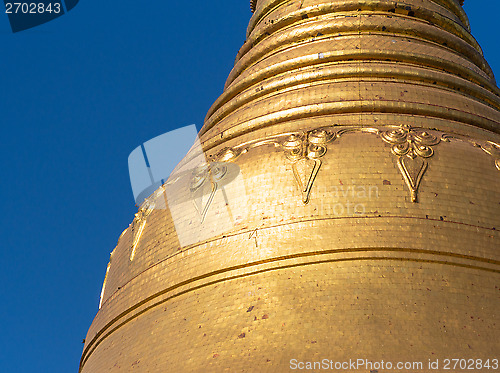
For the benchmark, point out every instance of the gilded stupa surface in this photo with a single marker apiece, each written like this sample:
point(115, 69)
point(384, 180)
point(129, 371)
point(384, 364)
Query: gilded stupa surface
point(343, 203)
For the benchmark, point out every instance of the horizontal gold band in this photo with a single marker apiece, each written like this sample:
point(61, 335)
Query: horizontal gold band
point(356, 55)
point(266, 6)
point(354, 7)
point(354, 72)
point(366, 24)
point(317, 110)
point(283, 262)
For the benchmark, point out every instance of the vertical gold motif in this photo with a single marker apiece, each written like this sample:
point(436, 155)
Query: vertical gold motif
point(412, 148)
point(305, 153)
point(212, 173)
point(101, 298)
point(140, 221)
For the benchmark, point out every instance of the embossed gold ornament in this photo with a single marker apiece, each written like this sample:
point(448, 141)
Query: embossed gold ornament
point(211, 174)
point(139, 224)
point(306, 151)
point(412, 149)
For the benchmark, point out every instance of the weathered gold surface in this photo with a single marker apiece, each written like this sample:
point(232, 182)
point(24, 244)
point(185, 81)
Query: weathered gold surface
point(367, 221)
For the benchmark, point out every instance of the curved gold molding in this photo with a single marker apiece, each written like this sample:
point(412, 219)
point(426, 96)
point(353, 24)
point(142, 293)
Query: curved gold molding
point(348, 56)
point(374, 71)
point(344, 107)
point(391, 254)
point(356, 55)
point(265, 6)
point(254, 36)
point(253, 233)
point(366, 24)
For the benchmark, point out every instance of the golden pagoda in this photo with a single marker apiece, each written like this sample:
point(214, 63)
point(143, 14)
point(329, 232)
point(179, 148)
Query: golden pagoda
point(341, 212)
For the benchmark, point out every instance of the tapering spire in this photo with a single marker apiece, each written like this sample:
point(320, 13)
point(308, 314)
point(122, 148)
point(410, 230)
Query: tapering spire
point(335, 52)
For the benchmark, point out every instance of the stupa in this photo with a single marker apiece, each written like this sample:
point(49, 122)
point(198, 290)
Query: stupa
point(343, 205)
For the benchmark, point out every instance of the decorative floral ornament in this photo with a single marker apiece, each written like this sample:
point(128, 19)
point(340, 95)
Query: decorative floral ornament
point(413, 148)
point(305, 150)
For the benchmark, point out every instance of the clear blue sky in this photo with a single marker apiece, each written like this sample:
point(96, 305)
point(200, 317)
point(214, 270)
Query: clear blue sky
point(77, 95)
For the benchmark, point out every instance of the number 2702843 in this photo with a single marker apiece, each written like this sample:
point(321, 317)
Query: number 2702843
point(32, 8)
